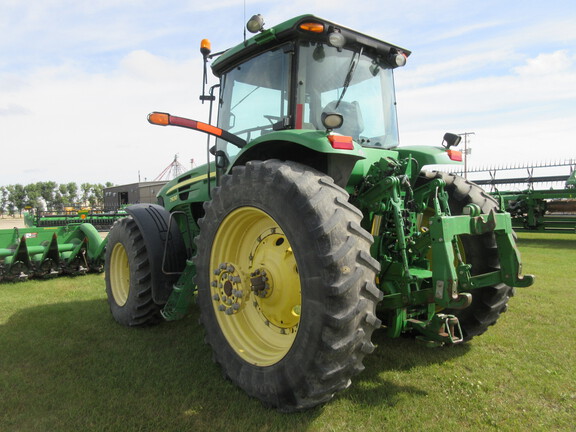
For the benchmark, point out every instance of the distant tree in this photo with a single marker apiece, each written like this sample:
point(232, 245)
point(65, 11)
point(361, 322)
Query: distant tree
point(63, 196)
point(17, 197)
point(72, 190)
point(47, 190)
point(86, 189)
point(56, 196)
point(3, 200)
point(97, 197)
point(32, 195)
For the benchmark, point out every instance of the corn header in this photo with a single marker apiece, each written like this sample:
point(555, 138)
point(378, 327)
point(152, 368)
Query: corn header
point(47, 252)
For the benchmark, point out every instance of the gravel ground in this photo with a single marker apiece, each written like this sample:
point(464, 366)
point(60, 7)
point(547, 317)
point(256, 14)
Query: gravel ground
point(8, 222)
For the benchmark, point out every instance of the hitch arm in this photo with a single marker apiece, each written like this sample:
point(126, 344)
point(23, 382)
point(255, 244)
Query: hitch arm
point(446, 278)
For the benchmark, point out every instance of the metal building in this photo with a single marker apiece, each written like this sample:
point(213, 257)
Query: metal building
point(116, 197)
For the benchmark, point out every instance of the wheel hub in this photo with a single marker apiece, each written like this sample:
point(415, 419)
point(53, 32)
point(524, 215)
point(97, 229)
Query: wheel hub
point(227, 288)
point(259, 283)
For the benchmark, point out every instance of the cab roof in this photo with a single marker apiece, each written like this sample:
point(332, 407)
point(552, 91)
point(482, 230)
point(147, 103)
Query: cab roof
point(291, 30)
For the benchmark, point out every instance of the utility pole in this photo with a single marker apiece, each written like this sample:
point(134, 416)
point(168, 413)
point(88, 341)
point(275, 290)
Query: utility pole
point(466, 152)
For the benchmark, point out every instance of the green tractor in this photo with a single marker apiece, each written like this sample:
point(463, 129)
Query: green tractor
point(312, 228)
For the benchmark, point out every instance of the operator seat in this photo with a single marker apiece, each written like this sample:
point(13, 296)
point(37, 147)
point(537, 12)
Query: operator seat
point(353, 124)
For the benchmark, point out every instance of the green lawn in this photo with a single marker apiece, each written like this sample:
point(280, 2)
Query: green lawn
point(65, 365)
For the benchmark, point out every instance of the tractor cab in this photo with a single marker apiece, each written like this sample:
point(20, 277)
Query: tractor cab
point(307, 74)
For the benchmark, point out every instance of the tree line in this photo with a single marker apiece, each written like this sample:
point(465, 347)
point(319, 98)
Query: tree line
point(50, 195)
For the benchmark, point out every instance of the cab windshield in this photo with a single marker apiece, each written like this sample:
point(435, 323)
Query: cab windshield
point(254, 96)
point(351, 83)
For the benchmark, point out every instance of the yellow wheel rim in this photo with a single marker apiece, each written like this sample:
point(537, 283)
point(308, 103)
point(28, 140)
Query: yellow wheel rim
point(119, 274)
point(255, 286)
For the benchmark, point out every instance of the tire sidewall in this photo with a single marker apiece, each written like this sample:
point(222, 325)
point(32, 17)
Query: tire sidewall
point(120, 234)
point(299, 230)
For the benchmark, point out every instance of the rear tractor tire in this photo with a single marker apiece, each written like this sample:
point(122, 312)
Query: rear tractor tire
point(286, 283)
point(128, 276)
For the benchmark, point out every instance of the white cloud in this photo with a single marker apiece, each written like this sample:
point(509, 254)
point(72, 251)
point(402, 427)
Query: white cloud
point(531, 84)
point(547, 64)
point(448, 67)
point(74, 125)
point(526, 115)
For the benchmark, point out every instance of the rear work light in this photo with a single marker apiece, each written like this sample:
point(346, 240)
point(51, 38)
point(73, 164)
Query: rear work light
point(340, 142)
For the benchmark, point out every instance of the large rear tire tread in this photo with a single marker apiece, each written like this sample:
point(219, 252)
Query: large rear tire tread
point(337, 283)
point(139, 309)
point(481, 251)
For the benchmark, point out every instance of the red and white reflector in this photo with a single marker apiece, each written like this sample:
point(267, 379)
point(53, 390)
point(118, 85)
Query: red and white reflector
point(455, 155)
point(341, 142)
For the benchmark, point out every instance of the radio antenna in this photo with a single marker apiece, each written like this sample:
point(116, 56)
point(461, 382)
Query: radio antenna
point(244, 21)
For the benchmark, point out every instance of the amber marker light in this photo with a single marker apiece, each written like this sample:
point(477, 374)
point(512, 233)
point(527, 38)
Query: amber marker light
point(312, 27)
point(162, 119)
point(205, 47)
point(209, 128)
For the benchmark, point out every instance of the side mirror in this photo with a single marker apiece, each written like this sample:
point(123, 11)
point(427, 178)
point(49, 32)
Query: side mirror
point(451, 140)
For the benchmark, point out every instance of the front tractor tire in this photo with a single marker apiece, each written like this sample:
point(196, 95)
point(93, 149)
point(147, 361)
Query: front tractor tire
point(128, 276)
point(286, 283)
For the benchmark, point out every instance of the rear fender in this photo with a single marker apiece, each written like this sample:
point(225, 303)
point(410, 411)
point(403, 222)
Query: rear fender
point(165, 267)
point(308, 147)
point(427, 155)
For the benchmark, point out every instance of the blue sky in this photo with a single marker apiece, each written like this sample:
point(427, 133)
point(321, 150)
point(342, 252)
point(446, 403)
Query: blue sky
point(77, 78)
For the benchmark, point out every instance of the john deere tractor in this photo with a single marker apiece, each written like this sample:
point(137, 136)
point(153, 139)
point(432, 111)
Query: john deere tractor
point(310, 227)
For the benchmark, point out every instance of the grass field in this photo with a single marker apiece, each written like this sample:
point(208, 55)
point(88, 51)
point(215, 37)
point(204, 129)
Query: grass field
point(65, 365)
